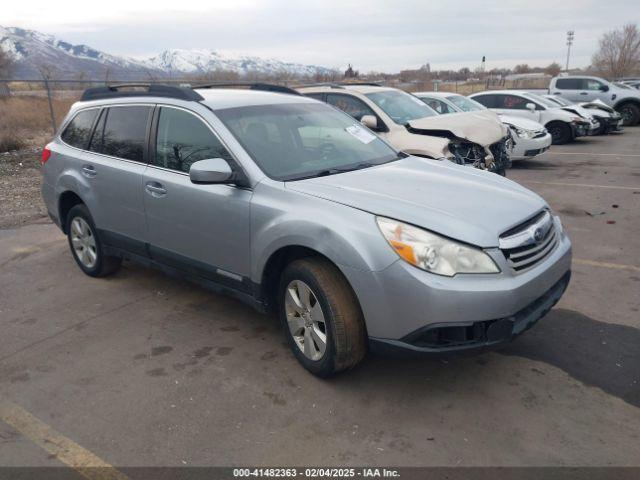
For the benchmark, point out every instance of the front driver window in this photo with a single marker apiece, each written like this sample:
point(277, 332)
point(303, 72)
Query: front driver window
point(513, 102)
point(351, 105)
point(593, 85)
point(184, 139)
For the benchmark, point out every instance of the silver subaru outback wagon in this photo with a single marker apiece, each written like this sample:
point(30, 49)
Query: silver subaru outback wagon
point(293, 207)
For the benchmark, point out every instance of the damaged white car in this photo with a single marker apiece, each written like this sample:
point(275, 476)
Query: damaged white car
point(478, 139)
point(529, 138)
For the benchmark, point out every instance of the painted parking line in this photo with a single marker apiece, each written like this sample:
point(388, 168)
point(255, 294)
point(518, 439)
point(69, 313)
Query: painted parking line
point(599, 154)
point(68, 452)
point(615, 266)
point(585, 185)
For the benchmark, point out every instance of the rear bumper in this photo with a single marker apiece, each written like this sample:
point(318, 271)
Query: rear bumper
point(467, 337)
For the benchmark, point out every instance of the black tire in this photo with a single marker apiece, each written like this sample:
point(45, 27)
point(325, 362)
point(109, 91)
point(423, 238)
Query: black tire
point(561, 133)
point(104, 264)
point(630, 113)
point(345, 332)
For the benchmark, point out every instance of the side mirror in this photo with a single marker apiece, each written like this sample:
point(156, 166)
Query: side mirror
point(369, 121)
point(531, 106)
point(211, 170)
point(604, 88)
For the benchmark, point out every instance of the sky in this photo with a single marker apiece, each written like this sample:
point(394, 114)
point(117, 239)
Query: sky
point(373, 35)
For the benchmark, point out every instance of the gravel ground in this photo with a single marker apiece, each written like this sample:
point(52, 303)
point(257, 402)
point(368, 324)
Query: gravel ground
point(20, 182)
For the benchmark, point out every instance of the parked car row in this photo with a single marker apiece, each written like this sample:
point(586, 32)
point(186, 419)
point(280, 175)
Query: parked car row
point(529, 138)
point(355, 229)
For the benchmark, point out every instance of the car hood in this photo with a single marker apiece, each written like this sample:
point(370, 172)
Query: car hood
point(597, 104)
point(482, 127)
point(459, 202)
point(579, 110)
point(520, 122)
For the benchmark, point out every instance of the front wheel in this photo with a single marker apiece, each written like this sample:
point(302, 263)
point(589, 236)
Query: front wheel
point(321, 317)
point(630, 113)
point(85, 245)
point(560, 133)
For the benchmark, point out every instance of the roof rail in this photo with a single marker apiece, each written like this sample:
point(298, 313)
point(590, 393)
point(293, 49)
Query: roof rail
point(362, 84)
point(321, 84)
point(151, 90)
point(267, 87)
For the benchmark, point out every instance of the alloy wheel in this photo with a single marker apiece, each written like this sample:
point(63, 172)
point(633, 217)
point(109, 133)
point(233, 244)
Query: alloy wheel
point(306, 320)
point(84, 242)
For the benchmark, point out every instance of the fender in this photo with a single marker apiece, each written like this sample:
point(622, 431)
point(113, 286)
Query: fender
point(349, 239)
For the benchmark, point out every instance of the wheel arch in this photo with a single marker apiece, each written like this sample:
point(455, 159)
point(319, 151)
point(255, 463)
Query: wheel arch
point(619, 103)
point(66, 201)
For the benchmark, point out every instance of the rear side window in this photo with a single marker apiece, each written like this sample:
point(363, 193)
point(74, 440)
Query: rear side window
point(488, 101)
point(78, 131)
point(125, 131)
point(569, 83)
point(184, 139)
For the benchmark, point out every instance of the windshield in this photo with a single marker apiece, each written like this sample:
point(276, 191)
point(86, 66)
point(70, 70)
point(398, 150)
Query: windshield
point(465, 104)
point(540, 99)
point(302, 140)
point(401, 106)
point(561, 101)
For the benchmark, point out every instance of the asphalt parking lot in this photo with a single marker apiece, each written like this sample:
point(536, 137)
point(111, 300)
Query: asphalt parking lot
point(144, 370)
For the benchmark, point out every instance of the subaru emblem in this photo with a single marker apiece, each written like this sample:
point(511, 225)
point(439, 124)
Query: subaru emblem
point(538, 235)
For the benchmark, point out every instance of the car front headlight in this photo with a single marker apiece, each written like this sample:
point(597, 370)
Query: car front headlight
point(434, 253)
point(524, 133)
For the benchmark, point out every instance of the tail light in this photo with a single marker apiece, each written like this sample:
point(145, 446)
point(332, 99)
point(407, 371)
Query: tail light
point(46, 153)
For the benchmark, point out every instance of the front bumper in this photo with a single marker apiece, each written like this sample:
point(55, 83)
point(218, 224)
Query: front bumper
point(402, 299)
point(448, 338)
point(527, 148)
point(581, 129)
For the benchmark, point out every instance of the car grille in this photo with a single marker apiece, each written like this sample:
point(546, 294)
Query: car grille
point(530, 243)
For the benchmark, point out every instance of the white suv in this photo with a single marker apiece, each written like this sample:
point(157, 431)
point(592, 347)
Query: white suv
point(563, 126)
point(587, 89)
point(410, 125)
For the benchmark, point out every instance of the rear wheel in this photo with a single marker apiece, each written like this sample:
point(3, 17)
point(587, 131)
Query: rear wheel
point(560, 133)
point(630, 113)
point(86, 247)
point(321, 317)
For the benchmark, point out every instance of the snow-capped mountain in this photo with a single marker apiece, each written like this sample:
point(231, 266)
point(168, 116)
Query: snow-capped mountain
point(201, 61)
point(34, 51)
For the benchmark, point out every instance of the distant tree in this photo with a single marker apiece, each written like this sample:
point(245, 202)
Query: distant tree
point(6, 64)
point(553, 69)
point(522, 68)
point(619, 52)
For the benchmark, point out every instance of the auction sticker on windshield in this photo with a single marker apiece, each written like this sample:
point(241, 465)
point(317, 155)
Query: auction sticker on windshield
point(360, 133)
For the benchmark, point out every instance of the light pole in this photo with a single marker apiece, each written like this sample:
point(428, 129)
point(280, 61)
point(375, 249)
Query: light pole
point(569, 43)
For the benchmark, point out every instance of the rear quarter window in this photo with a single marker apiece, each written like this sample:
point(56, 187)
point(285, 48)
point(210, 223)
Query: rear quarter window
point(78, 131)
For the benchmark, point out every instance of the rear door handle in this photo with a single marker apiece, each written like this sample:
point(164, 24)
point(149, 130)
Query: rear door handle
point(89, 171)
point(584, 93)
point(155, 189)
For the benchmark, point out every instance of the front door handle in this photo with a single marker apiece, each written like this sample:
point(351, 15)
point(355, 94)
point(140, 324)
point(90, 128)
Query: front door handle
point(584, 93)
point(155, 189)
point(89, 171)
